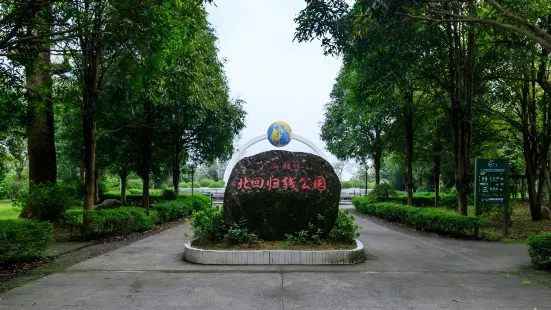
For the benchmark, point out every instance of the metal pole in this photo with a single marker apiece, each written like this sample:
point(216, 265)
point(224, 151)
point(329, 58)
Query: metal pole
point(366, 180)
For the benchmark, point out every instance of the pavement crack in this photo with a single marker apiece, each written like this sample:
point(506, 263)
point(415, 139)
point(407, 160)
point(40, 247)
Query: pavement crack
point(282, 293)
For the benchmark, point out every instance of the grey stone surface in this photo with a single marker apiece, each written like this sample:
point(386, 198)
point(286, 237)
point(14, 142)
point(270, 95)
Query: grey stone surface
point(57, 248)
point(406, 270)
point(274, 257)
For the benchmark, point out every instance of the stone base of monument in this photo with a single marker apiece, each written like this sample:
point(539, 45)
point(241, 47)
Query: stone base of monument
point(274, 257)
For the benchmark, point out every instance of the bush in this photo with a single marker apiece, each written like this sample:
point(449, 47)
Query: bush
point(345, 229)
point(539, 249)
point(381, 192)
point(23, 240)
point(208, 225)
point(205, 182)
point(173, 210)
point(219, 184)
point(136, 199)
point(49, 200)
point(105, 222)
point(432, 220)
point(134, 184)
point(135, 191)
point(239, 234)
point(197, 201)
point(169, 194)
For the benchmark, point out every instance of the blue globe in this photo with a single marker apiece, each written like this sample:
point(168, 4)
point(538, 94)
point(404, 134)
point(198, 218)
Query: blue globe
point(280, 134)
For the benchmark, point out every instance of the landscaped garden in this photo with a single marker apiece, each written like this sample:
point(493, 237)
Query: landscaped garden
point(386, 203)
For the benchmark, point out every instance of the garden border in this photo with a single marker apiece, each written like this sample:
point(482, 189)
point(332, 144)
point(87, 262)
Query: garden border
point(274, 257)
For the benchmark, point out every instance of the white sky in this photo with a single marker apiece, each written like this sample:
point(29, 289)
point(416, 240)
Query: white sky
point(280, 80)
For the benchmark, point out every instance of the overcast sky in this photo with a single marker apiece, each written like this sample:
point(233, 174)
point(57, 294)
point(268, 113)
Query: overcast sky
point(278, 78)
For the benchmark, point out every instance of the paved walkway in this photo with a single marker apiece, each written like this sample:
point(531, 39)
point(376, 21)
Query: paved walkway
point(406, 269)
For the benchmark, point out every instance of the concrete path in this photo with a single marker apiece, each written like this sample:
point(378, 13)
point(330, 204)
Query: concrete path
point(405, 269)
point(58, 248)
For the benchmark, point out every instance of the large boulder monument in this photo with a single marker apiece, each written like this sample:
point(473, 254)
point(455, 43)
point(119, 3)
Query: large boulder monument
point(281, 192)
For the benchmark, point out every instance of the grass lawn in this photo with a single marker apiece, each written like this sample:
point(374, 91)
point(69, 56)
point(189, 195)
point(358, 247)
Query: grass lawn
point(7, 211)
point(521, 228)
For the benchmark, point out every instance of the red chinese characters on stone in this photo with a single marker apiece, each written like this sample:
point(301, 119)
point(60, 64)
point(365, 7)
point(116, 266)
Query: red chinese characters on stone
point(305, 182)
point(258, 182)
point(272, 183)
point(242, 183)
point(320, 184)
point(289, 183)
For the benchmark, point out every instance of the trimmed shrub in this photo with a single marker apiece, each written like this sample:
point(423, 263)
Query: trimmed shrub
point(539, 249)
point(23, 240)
point(205, 182)
point(197, 201)
point(219, 184)
point(105, 222)
point(173, 210)
point(432, 220)
point(381, 192)
point(135, 199)
point(169, 194)
point(345, 229)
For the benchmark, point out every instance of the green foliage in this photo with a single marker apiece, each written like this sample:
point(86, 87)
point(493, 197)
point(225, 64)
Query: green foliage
point(219, 184)
point(381, 192)
point(105, 222)
point(205, 182)
point(239, 234)
point(539, 249)
point(197, 201)
point(357, 184)
point(169, 194)
point(432, 220)
point(175, 209)
point(49, 201)
point(23, 240)
point(310, 235)
point(345, 229)
point(134, 184)
point(208, 225)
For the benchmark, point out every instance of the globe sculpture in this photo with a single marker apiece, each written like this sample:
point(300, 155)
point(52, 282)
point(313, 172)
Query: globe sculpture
point(280, 134)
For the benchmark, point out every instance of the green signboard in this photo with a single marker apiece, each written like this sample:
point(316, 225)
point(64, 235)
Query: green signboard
point(492, 185)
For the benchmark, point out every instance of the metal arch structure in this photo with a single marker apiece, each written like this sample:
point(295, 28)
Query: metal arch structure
point(236, 157)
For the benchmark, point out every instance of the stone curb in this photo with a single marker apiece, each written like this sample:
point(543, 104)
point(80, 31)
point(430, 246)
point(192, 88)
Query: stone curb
point(274, 257)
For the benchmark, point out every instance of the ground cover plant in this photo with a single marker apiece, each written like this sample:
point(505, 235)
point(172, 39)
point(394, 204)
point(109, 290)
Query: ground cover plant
point(210, 232)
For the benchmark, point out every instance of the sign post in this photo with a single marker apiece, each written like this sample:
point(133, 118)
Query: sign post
point(492, 186)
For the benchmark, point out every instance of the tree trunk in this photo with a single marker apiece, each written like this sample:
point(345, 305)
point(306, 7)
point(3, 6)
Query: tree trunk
point(408, 117)
point(89, 133)
point(437, 172)
point(96, 187)
point(377, 167)
point(123, 175)
point(146, 154)
point(176, 160)
point(81, 172)
point(40, 131)
point(548, 181)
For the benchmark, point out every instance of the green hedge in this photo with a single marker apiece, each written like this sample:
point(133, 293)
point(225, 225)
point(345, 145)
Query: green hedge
point(23, 240)
point(106, 222)
point(184, 206)
point(135, 199)
point(197, 201)
point(432, 220)
point(539, 249)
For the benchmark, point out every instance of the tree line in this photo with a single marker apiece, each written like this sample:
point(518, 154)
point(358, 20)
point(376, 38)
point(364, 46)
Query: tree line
point(427, 86)
point(90, 87)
